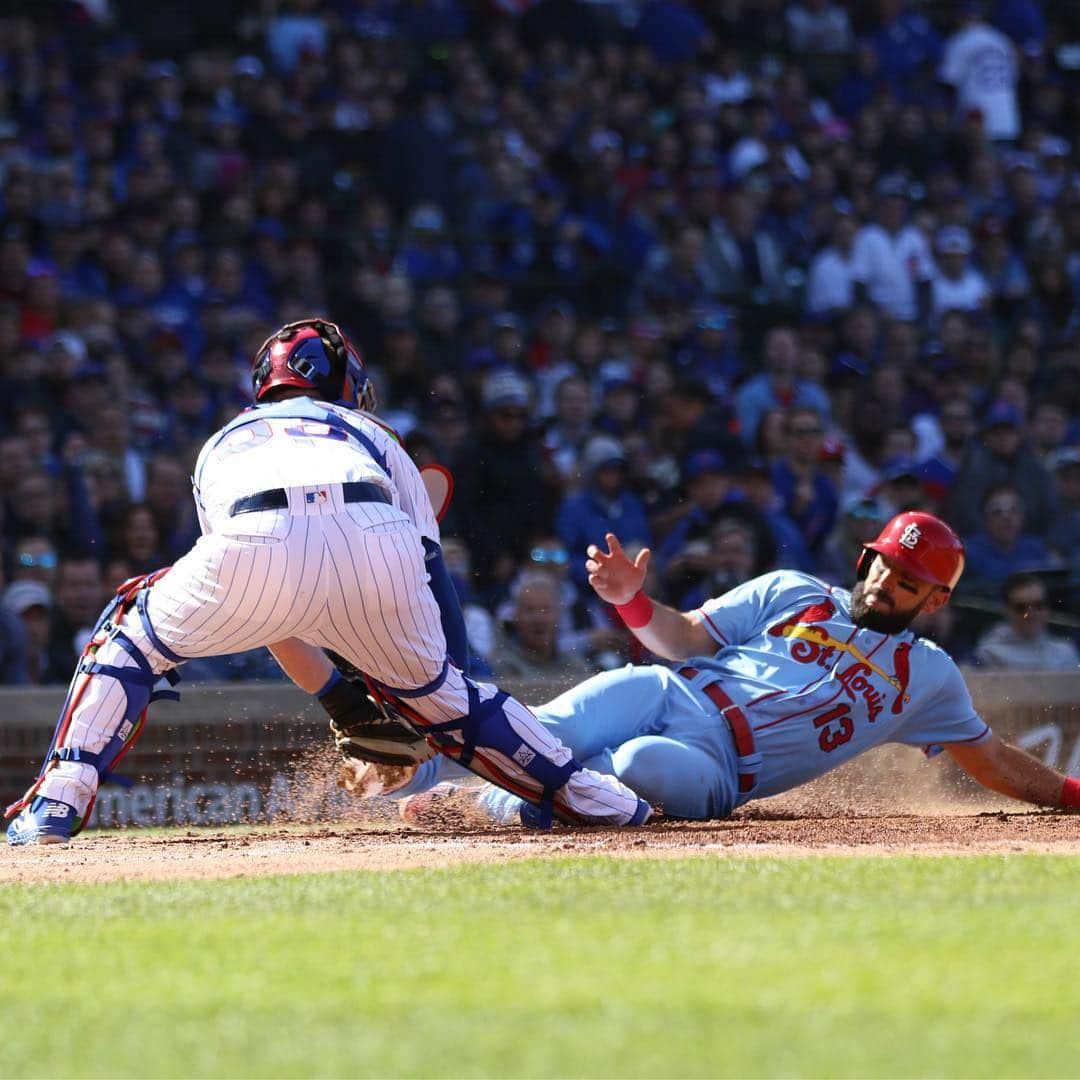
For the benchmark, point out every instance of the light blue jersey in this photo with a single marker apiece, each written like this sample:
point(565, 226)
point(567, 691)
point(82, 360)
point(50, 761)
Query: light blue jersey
point(815, 691)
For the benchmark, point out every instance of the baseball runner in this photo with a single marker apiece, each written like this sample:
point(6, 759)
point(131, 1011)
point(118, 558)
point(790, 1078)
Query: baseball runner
point(317, 533)
point(775, 683)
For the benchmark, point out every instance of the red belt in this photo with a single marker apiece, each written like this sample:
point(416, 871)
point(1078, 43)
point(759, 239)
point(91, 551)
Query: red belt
point(745, 745)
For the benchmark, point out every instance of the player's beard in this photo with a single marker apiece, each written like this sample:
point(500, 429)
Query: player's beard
point(883, 622)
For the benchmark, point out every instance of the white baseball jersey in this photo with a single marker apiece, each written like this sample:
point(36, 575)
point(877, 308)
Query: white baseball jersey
point(981, 63)
point(322, 570)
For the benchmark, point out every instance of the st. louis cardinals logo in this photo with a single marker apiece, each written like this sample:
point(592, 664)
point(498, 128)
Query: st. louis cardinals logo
point(910, 537)
point(815, 645)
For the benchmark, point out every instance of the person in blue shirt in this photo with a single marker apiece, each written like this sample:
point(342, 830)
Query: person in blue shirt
point(605, 502)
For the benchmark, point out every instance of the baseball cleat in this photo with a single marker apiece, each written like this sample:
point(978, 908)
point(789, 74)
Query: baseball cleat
point(447, 806)
point(44, 821)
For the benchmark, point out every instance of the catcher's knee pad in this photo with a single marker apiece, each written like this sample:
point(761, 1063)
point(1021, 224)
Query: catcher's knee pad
point(96, 726)
point(484, 742)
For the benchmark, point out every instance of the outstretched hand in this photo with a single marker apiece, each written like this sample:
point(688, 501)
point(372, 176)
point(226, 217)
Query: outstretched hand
point(615, 578)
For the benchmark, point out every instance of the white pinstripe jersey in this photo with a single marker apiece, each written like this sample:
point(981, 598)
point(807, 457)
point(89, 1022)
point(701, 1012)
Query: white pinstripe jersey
point(302, 442)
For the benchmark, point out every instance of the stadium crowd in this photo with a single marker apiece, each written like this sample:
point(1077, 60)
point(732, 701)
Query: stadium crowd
point(735, 280)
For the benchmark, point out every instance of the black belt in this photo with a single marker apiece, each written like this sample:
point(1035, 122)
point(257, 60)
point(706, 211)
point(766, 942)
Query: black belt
point(743, 734)
point(276, 499)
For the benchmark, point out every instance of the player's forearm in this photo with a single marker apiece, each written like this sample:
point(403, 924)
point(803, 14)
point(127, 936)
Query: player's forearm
point(1015, 773)
point(672, 634)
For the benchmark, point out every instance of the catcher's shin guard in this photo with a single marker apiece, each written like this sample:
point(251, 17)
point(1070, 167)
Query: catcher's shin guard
point(80, 757)
point(486, 743)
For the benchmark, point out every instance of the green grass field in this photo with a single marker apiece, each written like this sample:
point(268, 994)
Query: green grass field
point(707, 967)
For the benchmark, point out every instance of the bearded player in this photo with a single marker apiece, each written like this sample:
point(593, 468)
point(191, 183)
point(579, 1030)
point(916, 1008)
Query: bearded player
point(318, 534)
point(775, 683)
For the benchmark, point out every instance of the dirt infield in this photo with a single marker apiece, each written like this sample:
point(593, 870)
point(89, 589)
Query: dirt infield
point(307, 849)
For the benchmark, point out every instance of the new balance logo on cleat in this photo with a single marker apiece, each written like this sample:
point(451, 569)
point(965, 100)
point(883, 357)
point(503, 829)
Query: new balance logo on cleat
point(44, 821)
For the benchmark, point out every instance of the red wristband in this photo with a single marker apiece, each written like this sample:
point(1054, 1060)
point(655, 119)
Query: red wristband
point(637, 611)
point(1070, 793)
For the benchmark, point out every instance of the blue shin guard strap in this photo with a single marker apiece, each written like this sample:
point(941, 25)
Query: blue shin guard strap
point(486, 727)
point(86, 757)
point(151, 633)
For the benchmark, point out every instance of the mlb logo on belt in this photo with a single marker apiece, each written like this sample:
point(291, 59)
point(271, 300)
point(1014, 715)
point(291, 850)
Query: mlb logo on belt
point(319, 496)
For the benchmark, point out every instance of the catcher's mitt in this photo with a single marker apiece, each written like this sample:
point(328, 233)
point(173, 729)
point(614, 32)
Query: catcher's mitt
point(367, 730)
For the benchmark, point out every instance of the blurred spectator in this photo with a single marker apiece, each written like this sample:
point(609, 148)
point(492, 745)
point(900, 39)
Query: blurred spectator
point(1002, 459)
point(809, 498)
point(1002, 548)
point(893, 265)
point(745, 261)
point(830, 287)
point(901, 486)
point(614, 206)
point(527, 645)
point(1022, 642)
point(778, 387)
point(14, 639)
point(604, 504)
point(1064, 534)
point(818, 26)
point(78, 599)
point(507, 489)
point(587, 628)
point(34, 559)
point(31, 602)
point(980, 63)
point(570, 428)
point(956, 285)
point(860, 522)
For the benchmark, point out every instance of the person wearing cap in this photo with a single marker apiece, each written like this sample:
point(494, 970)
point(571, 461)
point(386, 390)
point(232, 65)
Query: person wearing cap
point(605, 502)
point(1022, 641)
point(893, 262)
point(426, 255)
point(712, 355)
point(901, 486)
point(779, 681)
point(14, 638)
point(31, 601)
point(956, 285)
point(506, 487)
point(830, 284)
point(1002, 458)
point(709, 494)
point(1002, 546)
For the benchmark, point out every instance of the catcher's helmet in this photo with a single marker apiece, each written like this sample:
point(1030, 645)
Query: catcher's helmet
point(313, 354)
point(920, 543)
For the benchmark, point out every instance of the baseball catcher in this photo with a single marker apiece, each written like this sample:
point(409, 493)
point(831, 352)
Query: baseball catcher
point(317, 534)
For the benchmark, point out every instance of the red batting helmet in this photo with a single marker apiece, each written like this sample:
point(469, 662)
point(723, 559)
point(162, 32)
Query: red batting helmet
point(313, 354)
point(920, 543)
